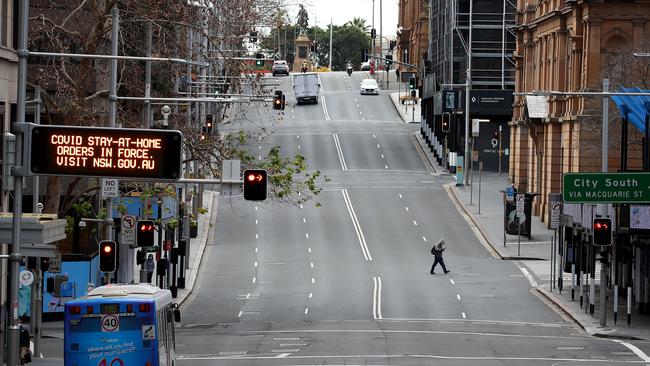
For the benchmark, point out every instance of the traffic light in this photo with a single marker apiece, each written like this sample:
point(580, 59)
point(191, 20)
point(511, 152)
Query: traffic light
point(259, 59)
point(602, 231)
point(446, 119)
point(255, 184)
point(253, 37)
point(45, 263)
point(278, 100)
point(145, 233)
point(373, 33)
point(389, 60)
point(312, 46)
point(208, 122)
point(392, 44)
point(413, 94)
point(204, 133)
point(107, 256)
point(412, 83)
point(495, 135)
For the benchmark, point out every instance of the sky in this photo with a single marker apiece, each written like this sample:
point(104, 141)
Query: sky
point(340, 11)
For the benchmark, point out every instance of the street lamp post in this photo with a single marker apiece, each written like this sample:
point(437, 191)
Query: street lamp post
point(467, 96)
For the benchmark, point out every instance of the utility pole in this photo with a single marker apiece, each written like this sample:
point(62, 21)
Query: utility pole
point(372, 51)
point(468, 87)
point(331, 28)
point(381, 40)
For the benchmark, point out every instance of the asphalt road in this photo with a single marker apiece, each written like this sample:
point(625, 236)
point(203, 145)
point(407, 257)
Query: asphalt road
point(348, 282)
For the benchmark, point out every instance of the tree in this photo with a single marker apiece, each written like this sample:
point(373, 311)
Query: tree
point(347, 44)
point(75, 90)
point(358, 23)
point(303, 18)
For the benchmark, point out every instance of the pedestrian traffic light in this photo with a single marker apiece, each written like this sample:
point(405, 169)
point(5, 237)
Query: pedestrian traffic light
point(413, 94)
point(45, 263)
point(602, 231)
point(389, 60)
point(364, 55)
point(446, 119)
point(495, 135)
point(255, 184)
point(107, 256)
point(412, 83)
point(145, 233)
point(208, 122)
point(278, 100)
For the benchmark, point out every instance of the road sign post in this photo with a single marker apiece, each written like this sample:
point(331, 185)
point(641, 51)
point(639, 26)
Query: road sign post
point(127, 230)
point(110, 187)
point(520, 200)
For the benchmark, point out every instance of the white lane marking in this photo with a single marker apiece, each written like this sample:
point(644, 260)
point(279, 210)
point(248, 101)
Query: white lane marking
point(530, 278)
point(458, 297)
point(255, 250)
point(307, 235)
point(292, 344)
point(379, 147)
point(400, 196)
point(424, 238)
point(260, 147)
point(304, 220)
point(287, 339)
point(386, 166)
point(255, 264)
point(452, 281)
point(313, 280)
point(311, 264)
point(309, 249)
point(254, 279)
point(311, 295)
point(376, 298)
point(406, 208)
point(306, 311)
point(240, 314)
point(357, 226)
point(298, 147)
point(257, 236)
point(373, 136)
point(297, 136)
point(634, 349)
point(568, 348)
point(282, 355)
point(464, 316)
point(327, 114)
point(256, 222)
point(339, 151)
point(415, 223)
point(382, 156)
point(255, 208)
point(259, 157)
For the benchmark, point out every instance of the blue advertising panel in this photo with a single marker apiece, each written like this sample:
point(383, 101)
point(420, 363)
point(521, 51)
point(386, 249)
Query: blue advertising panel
point(67, 285)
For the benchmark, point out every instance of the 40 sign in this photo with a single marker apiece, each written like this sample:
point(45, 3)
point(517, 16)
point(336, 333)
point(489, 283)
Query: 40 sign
point(606, 187)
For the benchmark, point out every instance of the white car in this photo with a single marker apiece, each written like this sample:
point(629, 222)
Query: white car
point(369, 86)
point(365, 66)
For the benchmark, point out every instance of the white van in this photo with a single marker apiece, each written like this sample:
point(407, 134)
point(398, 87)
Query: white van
point(305, 87)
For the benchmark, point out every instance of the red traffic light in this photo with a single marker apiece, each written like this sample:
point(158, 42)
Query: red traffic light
point(107, 248)
point(255, 184)
point(107, 256)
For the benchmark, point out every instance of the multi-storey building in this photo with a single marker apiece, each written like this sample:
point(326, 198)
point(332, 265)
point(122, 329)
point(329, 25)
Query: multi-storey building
point(412, 31)
point(487, 51)
point(571, 47)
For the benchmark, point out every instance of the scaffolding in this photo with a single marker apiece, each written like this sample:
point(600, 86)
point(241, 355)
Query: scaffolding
point(492, 42)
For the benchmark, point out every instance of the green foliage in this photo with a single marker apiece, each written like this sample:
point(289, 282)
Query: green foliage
point(83, 208)
point(289, 181)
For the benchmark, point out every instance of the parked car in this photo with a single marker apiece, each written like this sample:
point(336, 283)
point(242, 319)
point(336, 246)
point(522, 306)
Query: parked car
point(365, 66)
point(369, 86)
point(280, 67)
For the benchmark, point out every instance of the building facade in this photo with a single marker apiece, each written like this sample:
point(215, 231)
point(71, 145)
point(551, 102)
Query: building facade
point(570, 46)
point(487, 50)
point(412, 32)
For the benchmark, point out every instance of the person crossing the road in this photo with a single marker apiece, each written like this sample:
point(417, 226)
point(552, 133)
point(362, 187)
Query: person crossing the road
point(437, 253)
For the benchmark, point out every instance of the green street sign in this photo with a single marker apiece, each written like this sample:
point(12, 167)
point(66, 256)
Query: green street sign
point(606, 187)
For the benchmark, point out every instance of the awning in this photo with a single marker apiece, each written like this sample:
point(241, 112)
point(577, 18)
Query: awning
point(537, 106)
point(636, 107)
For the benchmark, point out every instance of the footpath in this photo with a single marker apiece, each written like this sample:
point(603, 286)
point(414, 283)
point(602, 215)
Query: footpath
point(51, 344)
point(484, 207)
